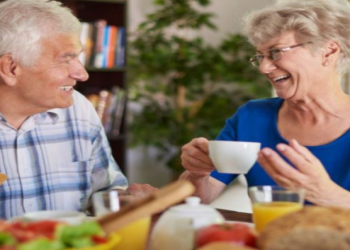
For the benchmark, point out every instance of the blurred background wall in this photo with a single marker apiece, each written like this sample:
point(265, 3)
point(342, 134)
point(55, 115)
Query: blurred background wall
point(143, 165)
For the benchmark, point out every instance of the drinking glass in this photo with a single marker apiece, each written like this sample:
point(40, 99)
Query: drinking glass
point(133, 236)
point(271, 202)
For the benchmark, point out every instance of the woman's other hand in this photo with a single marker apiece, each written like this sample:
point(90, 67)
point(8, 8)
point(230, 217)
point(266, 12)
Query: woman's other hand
point(309, 173)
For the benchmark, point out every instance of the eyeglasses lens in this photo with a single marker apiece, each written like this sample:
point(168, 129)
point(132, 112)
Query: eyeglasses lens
point(274, 55)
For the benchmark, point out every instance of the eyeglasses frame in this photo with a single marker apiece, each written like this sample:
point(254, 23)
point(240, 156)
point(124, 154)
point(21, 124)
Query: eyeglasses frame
point(255, 61)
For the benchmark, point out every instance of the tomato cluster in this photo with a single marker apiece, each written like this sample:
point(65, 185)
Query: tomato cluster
point(24, 232)
point(17, 233)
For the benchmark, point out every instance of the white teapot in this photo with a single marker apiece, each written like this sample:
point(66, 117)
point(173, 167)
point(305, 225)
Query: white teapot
point(175, 229)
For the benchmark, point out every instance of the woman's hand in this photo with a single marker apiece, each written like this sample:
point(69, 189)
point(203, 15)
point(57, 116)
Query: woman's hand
point(196, 161)
point(308, 173)
point(195, 157)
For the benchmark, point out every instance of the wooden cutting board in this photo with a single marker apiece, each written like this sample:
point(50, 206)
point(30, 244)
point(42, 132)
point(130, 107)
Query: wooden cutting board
point(3, 178)
point(154, 203)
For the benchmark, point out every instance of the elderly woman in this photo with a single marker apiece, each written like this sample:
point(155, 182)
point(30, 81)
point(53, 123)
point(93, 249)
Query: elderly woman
point(302, 48)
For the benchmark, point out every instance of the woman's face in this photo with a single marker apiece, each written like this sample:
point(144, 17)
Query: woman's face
point(296, 72)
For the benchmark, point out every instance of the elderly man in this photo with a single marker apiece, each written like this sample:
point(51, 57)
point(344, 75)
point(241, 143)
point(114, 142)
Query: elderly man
point(52, 145)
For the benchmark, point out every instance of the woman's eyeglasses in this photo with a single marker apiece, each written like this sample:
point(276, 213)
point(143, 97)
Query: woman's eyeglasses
point(273, 54)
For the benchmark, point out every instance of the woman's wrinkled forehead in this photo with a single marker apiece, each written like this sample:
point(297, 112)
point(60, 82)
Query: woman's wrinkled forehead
point(284, 39)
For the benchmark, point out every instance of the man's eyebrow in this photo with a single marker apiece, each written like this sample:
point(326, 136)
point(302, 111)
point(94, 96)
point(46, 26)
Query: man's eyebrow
point(70, 54)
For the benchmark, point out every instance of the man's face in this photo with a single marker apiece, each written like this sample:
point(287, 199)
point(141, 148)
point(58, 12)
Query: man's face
point(49, 84)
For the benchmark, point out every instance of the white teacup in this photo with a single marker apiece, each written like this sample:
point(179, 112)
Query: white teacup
point(236, 157)
point(70, 217)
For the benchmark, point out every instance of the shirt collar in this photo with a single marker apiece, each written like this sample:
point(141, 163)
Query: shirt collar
point(54, 114)
point(2, 118)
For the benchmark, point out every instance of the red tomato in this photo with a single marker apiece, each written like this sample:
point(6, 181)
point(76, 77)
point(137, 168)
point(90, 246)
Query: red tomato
point(98, 239)
point(24, 231)
point(3, 225)
point(238, 234)
point(45, 228)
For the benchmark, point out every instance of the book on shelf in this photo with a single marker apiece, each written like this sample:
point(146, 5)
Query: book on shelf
point(100, 28)
point(104, 45)
point(86, 37)
point(110, 106)
point(118, 112)
point(120, 47)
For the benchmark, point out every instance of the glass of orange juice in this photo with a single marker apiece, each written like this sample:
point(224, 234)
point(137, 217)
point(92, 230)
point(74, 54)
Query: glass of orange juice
point(133, 236)
point(271, 202)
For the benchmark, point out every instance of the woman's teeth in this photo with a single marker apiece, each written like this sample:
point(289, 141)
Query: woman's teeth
point(67, 88)
point(281, 78)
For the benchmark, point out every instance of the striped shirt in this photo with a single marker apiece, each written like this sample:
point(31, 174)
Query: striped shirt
point(55, 161)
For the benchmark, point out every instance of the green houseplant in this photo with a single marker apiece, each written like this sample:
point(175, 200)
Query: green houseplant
point(187, 88)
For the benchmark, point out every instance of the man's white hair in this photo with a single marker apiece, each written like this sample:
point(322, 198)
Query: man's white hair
point(23, 23)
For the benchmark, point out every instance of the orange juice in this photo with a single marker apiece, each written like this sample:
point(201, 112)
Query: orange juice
point(263, 213)
point(134, 236)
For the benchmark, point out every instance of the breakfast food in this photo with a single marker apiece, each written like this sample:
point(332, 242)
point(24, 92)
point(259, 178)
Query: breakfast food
point(312, 228)
point(53, 235)
point(224, 246)
point(237, 234)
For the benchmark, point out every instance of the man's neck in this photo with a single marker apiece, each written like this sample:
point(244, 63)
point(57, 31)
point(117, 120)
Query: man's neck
point(11, 110)
point(13, 120)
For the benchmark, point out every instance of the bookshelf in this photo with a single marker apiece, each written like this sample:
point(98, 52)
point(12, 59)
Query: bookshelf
point(114, 12)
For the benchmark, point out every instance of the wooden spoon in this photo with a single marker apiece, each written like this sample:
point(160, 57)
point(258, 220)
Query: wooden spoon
point(3, 178)
point(151, 204)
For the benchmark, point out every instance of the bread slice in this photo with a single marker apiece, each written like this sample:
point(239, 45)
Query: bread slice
point(312, 228)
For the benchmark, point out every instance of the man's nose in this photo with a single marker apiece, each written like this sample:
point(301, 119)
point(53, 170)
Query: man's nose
point(78, 72)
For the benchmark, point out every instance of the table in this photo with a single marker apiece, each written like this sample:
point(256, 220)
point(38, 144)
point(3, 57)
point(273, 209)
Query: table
point(236, 216)
point(229, 215)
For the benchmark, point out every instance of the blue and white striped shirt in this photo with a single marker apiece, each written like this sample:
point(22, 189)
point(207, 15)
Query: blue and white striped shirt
point(55, 161)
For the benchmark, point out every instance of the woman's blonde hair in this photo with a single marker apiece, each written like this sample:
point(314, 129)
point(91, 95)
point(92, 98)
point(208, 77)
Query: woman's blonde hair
point(316, 21)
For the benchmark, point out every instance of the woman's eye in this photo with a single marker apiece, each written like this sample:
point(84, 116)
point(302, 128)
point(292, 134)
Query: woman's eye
point(275, 54)
point(259, 58)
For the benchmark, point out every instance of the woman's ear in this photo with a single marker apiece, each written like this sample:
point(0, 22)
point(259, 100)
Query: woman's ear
point(331, 53)
point(8, 70)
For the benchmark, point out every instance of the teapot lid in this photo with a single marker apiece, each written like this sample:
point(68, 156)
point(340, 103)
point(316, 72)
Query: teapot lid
point(192, 205)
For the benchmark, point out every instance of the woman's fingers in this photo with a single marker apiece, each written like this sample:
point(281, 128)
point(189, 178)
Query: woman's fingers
point(195, 165)
point(276, 167)
point(296, 158)
point(303, 151)
point(198, 149)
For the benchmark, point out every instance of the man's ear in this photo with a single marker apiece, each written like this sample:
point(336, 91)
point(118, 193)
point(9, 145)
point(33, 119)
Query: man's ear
point(8, 70)
point(331, 53)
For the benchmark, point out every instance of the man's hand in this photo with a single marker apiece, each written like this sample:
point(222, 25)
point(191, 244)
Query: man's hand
point(133, 192)
point(140, 190)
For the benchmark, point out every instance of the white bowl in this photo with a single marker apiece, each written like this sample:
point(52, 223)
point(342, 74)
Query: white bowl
point(70, 217)
point(234, 157)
